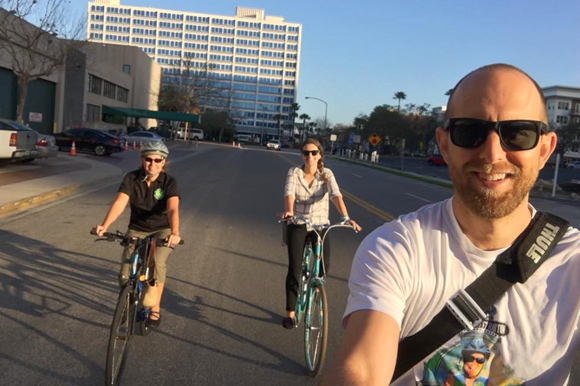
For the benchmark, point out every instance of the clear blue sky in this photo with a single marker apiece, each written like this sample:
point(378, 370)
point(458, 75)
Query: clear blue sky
point(356, 55)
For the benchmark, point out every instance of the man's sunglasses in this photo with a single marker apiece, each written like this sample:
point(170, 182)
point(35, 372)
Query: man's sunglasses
point(514, 135)
point(156, 160)
point(470, 358)
point(313, 152)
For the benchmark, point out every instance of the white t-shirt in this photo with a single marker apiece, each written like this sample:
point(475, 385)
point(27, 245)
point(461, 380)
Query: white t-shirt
point(410, 267)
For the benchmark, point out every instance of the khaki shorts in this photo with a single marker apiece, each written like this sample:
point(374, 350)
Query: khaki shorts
point(161, 255)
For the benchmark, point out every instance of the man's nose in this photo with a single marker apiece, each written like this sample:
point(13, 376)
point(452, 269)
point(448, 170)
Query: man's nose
point(491, 150)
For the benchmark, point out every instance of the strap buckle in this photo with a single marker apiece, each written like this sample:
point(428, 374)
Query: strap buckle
point(466, 310)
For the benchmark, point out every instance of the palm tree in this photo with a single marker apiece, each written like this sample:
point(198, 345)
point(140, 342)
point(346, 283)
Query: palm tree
point(448, 92)
point(278, 117)
point(293, 114)
point(304, 118)
point(400, 95)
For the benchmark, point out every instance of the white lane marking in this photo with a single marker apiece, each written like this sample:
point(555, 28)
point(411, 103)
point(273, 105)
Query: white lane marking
point(417, 197)
point(356, 175)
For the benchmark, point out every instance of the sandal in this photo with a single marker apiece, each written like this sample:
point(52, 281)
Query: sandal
point(289, 322)
point(153, 323)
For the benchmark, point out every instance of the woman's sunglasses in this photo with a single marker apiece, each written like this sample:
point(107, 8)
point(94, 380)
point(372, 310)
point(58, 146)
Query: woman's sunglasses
point(514, 135)
point(313, 152)
point(470, 358)
point(156, 160)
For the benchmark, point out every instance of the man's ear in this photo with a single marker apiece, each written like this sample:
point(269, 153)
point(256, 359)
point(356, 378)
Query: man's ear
point(547, 145)
point(442, 138)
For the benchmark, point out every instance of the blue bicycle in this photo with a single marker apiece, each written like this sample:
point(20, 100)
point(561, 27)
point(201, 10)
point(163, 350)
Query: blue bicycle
point(312, 303)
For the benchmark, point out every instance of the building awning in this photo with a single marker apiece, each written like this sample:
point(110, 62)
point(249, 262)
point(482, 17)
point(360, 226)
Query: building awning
point(140, 113)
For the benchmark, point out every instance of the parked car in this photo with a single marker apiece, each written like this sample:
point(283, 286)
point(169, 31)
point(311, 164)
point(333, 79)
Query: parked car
point(574, 165)
point(436, 159)
point(88, 140)
point(17, 142)
point(195, 134)
point(273, 144)
point(142, 137)
point(46, 146)
point(244, 138)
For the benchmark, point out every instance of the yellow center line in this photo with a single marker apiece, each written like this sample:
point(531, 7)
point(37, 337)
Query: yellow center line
point(369, 207)
point(365, 205)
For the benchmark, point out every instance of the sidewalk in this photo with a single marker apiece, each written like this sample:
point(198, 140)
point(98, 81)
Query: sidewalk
point(24, 186)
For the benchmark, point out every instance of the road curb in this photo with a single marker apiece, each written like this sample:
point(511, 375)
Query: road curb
point(24, 204)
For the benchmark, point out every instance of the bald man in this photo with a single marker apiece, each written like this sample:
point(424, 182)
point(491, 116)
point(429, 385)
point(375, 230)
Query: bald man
point(495, 140)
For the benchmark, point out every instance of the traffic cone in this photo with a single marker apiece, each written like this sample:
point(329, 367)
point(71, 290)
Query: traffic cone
point(126, 147)
point(239, 146)
point(133, 145)
point(140, 144)
point(73, 149)
point(233, 144)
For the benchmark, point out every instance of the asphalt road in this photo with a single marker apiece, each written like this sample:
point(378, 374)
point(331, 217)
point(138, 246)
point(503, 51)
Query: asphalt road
point(225, 291)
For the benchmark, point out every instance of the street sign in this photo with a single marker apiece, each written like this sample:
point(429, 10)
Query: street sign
point(374, 139)
point(332, 137)
point(356, 138)
point(35, 117)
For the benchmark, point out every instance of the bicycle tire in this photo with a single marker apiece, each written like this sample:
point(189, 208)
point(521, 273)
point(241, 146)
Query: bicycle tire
point(121, 331)
point(316, 329)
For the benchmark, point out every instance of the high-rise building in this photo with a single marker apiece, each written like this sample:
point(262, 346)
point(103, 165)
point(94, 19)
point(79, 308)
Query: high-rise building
point(251, 60)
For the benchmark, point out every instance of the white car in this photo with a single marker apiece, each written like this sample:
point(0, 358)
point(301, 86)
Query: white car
point(17, 142)
point(574, 165)
point(274, 144)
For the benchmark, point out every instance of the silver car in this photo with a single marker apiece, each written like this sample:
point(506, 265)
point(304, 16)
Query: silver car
point(274, 144)
point(142, 137)
point(46, 146)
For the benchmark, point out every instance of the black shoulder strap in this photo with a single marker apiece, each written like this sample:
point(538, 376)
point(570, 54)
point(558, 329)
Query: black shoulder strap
point(466, 310)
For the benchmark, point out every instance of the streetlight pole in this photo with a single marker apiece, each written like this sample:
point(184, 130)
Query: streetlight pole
point(325, 110)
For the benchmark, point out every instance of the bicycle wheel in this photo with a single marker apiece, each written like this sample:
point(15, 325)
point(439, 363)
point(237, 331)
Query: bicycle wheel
point(316, 329)
point(119, 338)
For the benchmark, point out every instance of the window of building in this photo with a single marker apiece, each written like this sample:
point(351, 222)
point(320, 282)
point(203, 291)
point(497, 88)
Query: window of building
point(127, 69)
point(561, 119)
point(122, 94)
point(95, 85)
point(563, 106)
point(93, 113)
point(109, 90)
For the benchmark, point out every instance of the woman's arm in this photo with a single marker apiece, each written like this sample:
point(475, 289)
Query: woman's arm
point(341, 207)
point(173, 217)
point(117, 207)
point(288, 207)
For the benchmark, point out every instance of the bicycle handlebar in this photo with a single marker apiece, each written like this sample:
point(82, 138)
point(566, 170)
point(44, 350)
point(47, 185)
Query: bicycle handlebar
point(119, 236)
point(344, 224)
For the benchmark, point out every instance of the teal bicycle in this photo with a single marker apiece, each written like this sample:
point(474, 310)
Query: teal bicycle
point(312, 303)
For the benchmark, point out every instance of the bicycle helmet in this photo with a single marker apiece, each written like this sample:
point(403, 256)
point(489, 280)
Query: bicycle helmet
point(477, 346)
point(156, 147)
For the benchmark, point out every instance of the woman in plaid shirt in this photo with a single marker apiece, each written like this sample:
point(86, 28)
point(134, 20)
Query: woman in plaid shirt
point(306, 194)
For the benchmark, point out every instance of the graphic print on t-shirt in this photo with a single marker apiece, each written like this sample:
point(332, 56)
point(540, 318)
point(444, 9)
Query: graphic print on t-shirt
point(158, 194)
point(472, 360)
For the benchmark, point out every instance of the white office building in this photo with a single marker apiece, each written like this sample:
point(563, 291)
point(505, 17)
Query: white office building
point(253, 58)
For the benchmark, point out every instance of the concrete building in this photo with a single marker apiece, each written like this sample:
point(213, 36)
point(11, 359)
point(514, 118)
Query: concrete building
point(563, 105)
point(253, 58)
point(109, 75)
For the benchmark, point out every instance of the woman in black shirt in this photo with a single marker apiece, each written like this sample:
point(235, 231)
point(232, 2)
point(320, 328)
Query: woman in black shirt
point(154, 199)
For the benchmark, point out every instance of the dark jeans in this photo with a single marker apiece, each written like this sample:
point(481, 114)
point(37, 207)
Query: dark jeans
point(297, 236)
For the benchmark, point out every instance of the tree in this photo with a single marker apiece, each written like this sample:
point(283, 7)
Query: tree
point(278, 118)
point(449, 92)
point(399, 95)
point(293, 115)
point(568, 138)
point(35, 35)
point(304, 118)
point(361, 121)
